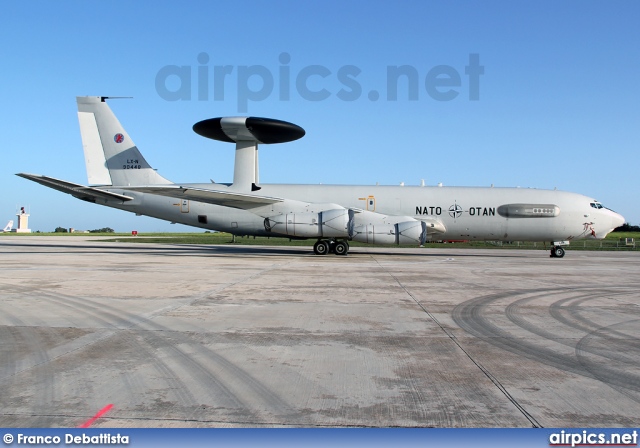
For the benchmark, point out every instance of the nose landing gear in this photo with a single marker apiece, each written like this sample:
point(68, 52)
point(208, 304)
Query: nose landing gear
point(557, 252)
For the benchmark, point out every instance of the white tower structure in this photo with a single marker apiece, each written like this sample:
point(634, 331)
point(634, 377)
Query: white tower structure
point(23, 222)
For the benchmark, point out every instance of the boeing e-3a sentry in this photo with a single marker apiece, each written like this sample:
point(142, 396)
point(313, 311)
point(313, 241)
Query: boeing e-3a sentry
point(120, 177)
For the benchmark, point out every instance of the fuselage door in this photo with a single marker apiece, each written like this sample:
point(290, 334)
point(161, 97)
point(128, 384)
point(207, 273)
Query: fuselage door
point(371, 204)
point(184, 206)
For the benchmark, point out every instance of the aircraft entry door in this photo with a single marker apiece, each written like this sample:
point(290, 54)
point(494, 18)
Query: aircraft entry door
point(184, 206)
point(371, 204)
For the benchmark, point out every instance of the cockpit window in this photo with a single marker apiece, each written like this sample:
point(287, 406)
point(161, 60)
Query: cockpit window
point(595, 204)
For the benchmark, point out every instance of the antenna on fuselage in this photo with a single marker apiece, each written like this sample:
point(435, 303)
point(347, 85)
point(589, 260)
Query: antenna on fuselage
point(247, 133)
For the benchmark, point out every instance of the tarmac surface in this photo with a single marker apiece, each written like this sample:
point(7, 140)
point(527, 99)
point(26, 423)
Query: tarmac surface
point(221, 336)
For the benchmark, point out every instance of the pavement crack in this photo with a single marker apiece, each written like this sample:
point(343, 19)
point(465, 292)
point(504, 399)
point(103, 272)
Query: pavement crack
point(477, 363)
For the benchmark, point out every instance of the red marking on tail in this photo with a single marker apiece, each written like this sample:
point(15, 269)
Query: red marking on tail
point(100, 413)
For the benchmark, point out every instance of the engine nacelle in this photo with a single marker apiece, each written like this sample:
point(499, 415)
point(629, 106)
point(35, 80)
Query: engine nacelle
point(408, 232)
point(411, 232)
point(326, 224)
point(372, 234)
point(305, 225)
point(360, 225)
point(335, 223)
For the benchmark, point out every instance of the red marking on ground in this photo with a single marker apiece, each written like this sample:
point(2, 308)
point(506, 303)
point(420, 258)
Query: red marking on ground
point(100, 413)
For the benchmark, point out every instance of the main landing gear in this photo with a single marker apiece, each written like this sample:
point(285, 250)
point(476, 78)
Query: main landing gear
point(338, 247)
point(557, 252)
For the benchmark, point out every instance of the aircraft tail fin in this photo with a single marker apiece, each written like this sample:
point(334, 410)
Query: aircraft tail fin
point(111, 157)
point(8, 227)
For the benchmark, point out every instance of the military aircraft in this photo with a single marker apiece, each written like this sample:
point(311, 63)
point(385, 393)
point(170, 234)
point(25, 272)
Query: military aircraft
point(120, 177)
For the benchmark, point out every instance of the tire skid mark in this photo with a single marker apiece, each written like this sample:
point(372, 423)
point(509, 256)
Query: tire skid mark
point(132, 385)
point(133, 321)
point(178, 387)
point(571, 316)
point(532, 420)
point(185, 398)
point(200, 373)
point(624, 342)
point(619, 374)
point(558, 311)
point(97, 312)
point(514, 312)
point(472, 316)
point(232, 371)
point(620, 349)
point(258, 390)
point(203, 376)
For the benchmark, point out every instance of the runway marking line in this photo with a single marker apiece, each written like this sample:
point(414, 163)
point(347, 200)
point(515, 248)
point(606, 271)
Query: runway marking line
point(99, 414)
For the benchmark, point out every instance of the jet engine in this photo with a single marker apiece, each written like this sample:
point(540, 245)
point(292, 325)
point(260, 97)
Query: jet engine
point(325, 224)
point(407, 232)
point(356, 225)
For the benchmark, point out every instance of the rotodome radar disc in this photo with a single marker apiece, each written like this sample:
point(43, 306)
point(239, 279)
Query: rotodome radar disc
point(262, 130)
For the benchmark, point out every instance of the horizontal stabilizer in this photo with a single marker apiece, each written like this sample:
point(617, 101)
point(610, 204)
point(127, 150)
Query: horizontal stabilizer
point(243, 201)
point(79, 191)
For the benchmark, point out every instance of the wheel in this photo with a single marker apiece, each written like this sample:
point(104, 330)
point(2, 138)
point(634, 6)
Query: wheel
point(321, 247)
point(558, 252)
point(341, 248)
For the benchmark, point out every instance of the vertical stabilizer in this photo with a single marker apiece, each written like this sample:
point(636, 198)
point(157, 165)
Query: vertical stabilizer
point(111, 157)
point(8, 227)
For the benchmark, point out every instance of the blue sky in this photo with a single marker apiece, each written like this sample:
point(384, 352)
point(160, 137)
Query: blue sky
point(557, 104)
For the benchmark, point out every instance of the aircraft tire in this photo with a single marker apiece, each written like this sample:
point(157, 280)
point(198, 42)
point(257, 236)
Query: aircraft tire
point(557, 252)
point(321, 247)
point(341, 248)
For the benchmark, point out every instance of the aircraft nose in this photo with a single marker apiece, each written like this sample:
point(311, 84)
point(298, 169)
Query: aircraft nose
point(617, 220)
point(614, 220)
point(609, 221)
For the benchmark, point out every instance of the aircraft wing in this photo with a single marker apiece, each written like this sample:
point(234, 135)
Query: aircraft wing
point(243, 201)
point(79, 191)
